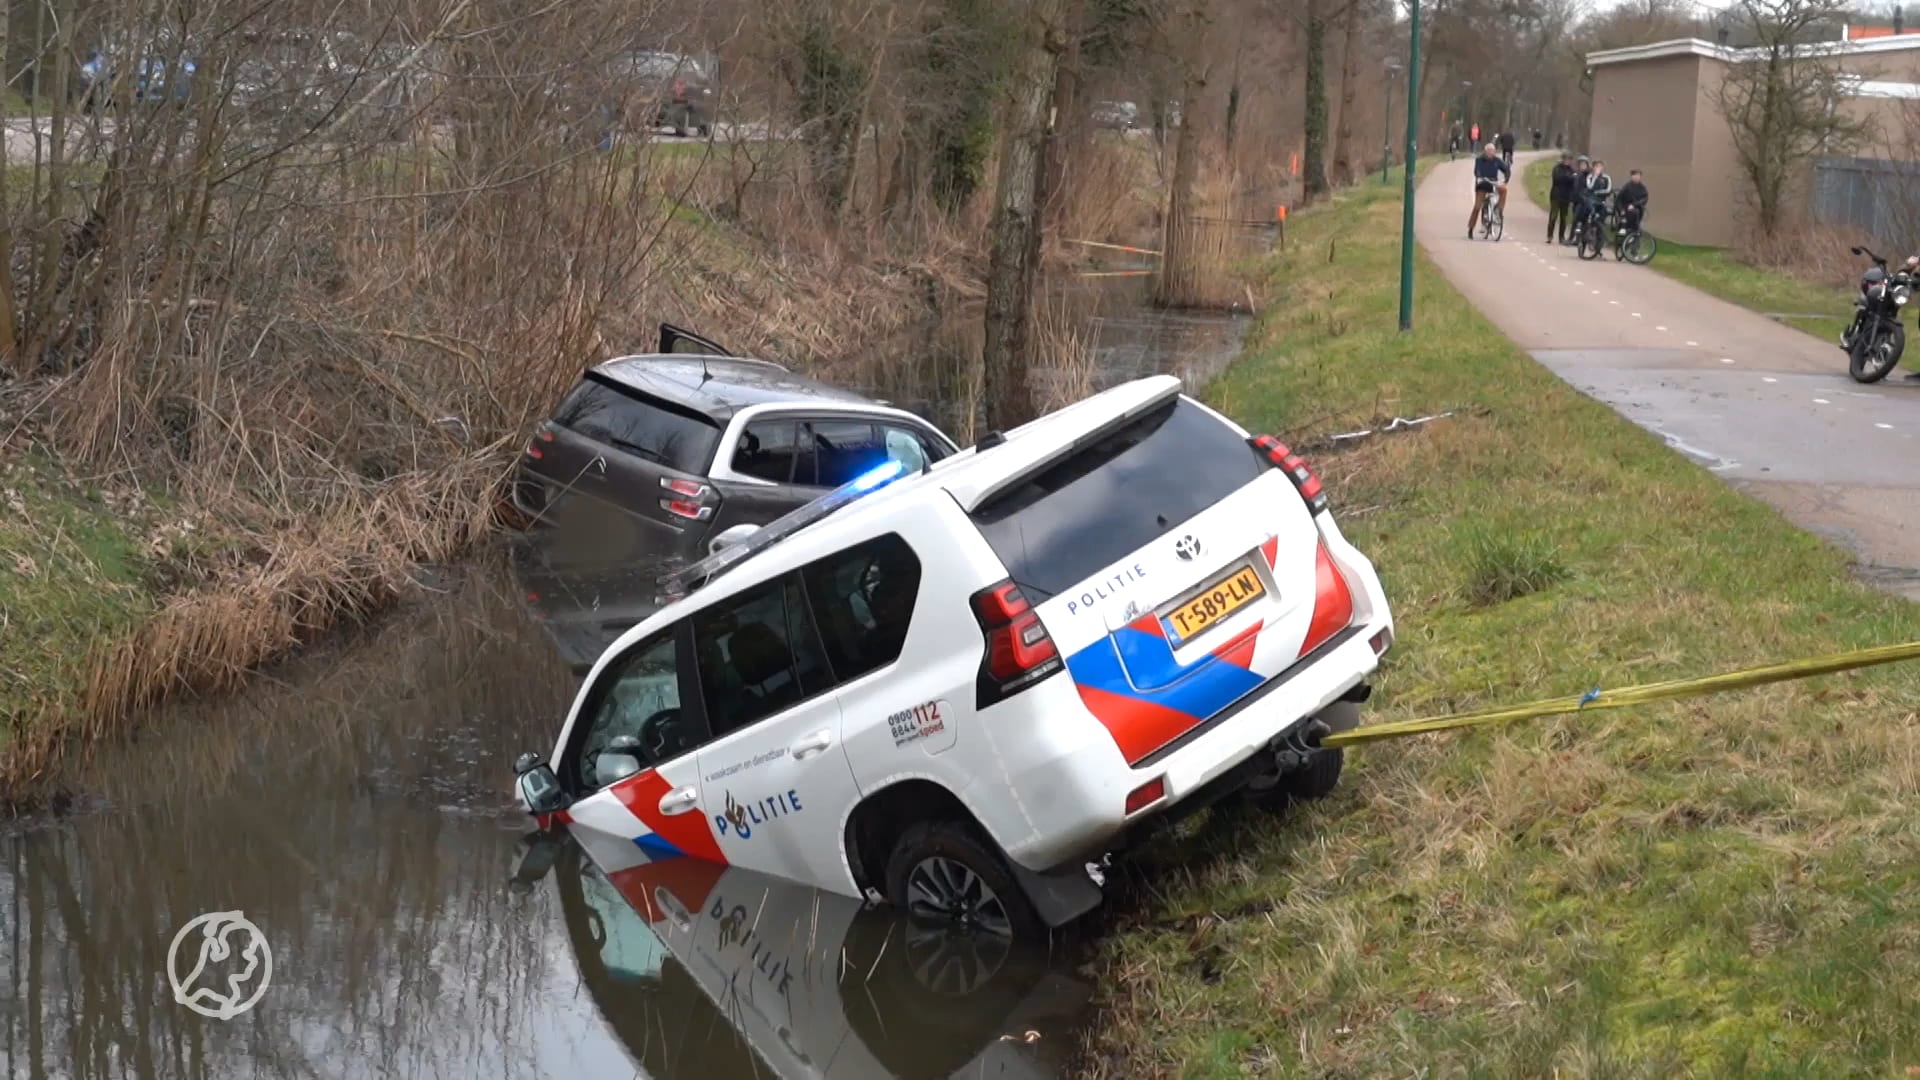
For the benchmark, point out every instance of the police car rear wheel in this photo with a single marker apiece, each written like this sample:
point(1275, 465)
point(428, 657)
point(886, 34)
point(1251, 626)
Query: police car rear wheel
point(941, 873)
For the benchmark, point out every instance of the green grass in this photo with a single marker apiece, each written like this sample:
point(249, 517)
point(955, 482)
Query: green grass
point(1816, 308)
point(1725, 887)
point(71, 573)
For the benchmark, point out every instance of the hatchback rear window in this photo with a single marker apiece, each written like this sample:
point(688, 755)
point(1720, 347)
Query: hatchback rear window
point(1114, 496)
point(641, 425)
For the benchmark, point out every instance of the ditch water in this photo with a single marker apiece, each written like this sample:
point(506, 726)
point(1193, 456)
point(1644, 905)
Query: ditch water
point(353, 806)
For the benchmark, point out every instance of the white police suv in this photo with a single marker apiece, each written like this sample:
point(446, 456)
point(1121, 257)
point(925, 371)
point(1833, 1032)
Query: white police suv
point(959, 688)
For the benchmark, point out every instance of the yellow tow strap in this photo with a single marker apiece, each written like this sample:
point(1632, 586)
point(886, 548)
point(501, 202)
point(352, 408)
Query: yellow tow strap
point(1631, 695)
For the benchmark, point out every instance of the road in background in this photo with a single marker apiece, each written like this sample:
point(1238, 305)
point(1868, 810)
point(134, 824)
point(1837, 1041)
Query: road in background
point(1767, 407)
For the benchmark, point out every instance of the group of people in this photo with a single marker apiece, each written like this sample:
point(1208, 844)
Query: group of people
point(1505, 141)
point(1581, 189)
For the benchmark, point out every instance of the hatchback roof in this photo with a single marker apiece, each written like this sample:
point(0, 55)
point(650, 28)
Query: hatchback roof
point(720, 385)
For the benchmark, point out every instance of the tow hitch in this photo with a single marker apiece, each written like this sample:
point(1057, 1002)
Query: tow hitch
point(1295, 748)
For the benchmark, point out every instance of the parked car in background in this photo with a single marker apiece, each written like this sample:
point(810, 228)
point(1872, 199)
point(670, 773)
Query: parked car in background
point(156, 71)
point(1116, 115)
point(306, 78)
point(692, 440)
point(959, 689)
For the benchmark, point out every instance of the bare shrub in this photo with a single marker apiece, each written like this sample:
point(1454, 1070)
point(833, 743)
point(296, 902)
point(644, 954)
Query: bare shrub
point(1810, 251)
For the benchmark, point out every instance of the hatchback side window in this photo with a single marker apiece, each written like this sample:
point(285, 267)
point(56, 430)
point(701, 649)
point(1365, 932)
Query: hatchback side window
point(758, 654)
point(767, 451)
point(863, 598)
point(634, 719)
point(845, 448)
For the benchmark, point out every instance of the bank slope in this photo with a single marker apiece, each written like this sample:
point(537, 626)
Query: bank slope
point(1729, 886)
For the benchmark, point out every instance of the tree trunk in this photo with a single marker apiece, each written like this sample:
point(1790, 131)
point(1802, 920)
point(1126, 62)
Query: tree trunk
point(1069, 118)
point(1011, 267)
point(1343, 170)
point(1178, 281)
point(1314, 165)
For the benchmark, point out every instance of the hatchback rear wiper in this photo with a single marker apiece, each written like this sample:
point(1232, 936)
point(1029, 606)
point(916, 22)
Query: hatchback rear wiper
point(635, 448)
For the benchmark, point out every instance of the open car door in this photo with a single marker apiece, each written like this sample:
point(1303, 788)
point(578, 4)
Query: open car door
point(675, 340)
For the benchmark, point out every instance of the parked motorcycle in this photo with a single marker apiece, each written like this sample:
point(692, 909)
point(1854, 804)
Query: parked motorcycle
point(1875, 338)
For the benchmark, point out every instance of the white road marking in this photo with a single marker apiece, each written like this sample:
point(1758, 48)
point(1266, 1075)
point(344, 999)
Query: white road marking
point(1821, 401)
point(1659, 328)
point(1764, 378)
point(1884, 427)
point(1693, 344)
point(1563, 273)
point(1636, 314)
point(1729, 360)
point(1615, 303)
point(1596, 292)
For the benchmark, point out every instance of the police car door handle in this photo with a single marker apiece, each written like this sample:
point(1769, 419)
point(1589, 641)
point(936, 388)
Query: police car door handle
point(679, 801)
point(812, 744)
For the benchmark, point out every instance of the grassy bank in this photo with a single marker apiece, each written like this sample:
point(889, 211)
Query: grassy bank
point(1725, 886)
point(71, 571)
point(1807, 305)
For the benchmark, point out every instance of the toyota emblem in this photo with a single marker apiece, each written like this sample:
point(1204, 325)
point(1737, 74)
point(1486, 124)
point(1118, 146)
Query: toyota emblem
point(1187, 547)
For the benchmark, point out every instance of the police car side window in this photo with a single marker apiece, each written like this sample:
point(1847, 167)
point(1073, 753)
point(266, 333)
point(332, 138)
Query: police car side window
point(863, 600)
point(634, 720)
point(758, 654)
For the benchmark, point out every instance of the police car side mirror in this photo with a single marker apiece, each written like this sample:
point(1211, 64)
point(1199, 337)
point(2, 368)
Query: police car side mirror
point(538, 788)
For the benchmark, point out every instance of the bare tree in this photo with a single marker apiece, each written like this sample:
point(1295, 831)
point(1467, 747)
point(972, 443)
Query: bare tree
point(1016, 219)
point(1343, 170)
point(1313, 163)
point(1784, 100)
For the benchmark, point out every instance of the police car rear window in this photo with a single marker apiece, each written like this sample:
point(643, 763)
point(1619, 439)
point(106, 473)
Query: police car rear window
point(641, 425)
point(1115, 496)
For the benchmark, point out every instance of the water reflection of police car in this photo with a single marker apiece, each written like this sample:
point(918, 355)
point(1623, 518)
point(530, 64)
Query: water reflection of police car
point(956, 689)
point(706, 971)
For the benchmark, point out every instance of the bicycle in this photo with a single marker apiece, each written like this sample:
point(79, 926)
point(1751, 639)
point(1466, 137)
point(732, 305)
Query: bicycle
point(1635, 245)
point(1493, 223)
point(1592, 237)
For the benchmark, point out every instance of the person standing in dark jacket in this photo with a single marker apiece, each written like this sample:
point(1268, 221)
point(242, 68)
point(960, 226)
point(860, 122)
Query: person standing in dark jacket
point(1560, 201)
point(1631, 202)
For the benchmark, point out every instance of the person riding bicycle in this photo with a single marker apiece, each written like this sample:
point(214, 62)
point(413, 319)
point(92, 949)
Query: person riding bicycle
point(1490, 175)
point(1507, 143)
point(1630, 203)
point(1594, 190)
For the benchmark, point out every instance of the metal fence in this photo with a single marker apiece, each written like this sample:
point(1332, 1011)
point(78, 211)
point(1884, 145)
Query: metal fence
point(1877, 196)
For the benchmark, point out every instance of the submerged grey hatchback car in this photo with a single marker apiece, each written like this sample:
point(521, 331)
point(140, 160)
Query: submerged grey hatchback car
point(690, 441)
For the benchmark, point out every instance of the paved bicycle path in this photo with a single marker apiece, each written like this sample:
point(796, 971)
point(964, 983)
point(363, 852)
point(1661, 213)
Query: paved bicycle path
point(1767, 407)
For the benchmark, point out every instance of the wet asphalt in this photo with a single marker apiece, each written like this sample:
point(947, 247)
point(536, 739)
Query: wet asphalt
point(1766, 407)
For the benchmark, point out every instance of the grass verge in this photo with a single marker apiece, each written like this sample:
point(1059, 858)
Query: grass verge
point(1725, 886)
point(71, 574)
point(1818, 309)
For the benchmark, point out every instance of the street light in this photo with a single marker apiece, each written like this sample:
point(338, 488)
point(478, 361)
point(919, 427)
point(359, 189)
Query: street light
point(1386, 129)
point(1413, 150)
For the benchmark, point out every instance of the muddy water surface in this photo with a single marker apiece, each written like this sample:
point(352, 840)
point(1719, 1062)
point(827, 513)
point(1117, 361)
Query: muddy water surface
point(353, 806)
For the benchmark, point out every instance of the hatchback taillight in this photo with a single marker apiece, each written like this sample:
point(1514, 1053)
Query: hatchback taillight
point(1305, 481)
point(689, 499)
point(1020, 652)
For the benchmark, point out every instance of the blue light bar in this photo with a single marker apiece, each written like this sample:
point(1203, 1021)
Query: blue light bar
point(876, 476)
point(680, 582)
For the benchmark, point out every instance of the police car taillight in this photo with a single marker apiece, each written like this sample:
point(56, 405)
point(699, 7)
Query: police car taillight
point(1305, 481)
point(1020, 652)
